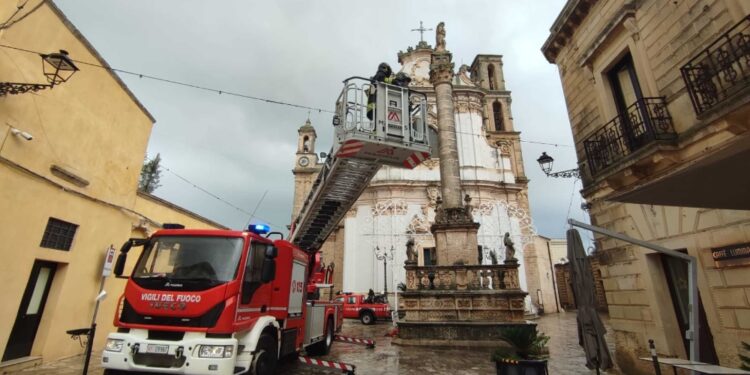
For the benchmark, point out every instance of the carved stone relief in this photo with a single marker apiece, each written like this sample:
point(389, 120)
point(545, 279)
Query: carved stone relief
point(390, 207)
point(418, 224)
point(504, 146)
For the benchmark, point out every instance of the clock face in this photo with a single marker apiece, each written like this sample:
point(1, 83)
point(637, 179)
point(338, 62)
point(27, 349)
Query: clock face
point(303, 161)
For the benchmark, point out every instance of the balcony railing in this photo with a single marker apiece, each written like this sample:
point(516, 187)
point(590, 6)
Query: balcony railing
point(720, 70)
point(645, 121)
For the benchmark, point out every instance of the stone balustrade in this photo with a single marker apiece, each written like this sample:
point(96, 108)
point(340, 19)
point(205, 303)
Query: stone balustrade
point(462, 277)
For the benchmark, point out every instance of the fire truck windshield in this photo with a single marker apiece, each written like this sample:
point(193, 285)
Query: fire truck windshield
point(183, 258)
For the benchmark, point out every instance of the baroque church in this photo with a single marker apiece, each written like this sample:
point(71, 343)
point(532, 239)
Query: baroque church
point(368, 248)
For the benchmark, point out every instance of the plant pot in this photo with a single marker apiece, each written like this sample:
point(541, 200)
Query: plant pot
point(521, 367)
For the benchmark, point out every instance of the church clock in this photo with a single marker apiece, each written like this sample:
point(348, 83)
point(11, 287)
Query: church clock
point(303, 161)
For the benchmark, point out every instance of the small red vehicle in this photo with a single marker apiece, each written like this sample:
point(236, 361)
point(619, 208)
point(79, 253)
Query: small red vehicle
point(358, 306)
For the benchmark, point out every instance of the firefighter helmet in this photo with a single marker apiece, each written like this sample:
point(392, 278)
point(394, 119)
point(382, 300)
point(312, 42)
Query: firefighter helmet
point(385, 68)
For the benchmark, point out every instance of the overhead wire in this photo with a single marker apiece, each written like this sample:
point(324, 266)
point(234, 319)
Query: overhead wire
point(572, 194)
point(521, 140)
point(220, 92)
point(10, 22)
point(7, 22)
point(230, 204)
point(184, 84)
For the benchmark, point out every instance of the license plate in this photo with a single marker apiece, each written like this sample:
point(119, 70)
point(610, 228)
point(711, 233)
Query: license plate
point(157, 349)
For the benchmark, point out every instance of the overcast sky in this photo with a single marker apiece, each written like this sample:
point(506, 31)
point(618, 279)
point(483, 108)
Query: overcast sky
point(299, 52)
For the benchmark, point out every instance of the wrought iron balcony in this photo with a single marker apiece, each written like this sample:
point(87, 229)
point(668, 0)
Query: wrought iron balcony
point(720, 70)
point(644, 122)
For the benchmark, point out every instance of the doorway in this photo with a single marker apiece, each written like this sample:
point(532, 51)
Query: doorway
point(676, 272)
point(30, 311)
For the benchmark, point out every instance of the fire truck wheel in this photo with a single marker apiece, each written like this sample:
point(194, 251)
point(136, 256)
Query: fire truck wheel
point(264, 362)
point(324, 346)
point(367, 318)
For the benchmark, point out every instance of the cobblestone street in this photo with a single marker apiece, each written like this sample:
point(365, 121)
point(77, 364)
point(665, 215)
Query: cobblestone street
point(566, 357)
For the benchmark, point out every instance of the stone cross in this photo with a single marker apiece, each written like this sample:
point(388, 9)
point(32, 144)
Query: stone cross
point(421, 30)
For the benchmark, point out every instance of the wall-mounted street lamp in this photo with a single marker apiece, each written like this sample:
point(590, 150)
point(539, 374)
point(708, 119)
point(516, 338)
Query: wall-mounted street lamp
point(58, 67)
point(545, 162)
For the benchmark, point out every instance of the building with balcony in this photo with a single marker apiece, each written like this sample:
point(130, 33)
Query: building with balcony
point(70, 158)
point(658, 96)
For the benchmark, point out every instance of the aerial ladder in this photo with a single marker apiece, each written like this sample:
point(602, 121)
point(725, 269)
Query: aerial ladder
point(397, 135)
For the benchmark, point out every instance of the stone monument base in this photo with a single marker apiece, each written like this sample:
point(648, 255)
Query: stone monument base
point(452, 334)
point(456, 243)
point(462, 305)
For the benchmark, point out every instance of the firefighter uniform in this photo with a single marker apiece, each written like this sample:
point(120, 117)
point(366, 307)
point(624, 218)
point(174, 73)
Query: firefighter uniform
point(384, 74)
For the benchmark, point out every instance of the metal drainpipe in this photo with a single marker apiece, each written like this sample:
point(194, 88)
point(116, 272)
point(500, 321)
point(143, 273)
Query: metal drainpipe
point(554, 284)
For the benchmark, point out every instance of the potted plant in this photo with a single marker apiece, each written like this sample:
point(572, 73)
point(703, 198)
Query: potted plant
point(525, 354)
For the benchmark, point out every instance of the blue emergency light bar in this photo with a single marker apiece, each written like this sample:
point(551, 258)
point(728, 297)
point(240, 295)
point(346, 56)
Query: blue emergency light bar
point(259, 228)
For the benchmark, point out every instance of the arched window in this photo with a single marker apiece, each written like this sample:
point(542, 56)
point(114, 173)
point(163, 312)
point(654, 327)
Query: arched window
point(306, 144)
point(491, 76)
point(497, 114)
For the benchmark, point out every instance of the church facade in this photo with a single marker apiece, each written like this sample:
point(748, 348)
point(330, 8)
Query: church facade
point(369, 246)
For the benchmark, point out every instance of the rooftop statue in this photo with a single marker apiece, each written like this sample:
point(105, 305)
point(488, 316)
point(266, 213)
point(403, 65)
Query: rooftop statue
point(440, 37)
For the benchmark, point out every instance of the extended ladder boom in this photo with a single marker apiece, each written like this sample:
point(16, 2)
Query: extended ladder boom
point(396, 136)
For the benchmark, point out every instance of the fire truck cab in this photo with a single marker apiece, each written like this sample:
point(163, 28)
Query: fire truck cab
point(216, 302)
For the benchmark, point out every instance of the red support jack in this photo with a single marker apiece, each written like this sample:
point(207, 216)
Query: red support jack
point(345, 368)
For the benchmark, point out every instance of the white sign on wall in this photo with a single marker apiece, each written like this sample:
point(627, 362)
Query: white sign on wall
point(109, 260)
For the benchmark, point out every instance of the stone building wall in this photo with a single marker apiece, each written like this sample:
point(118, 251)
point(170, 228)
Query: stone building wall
point(588, 39)
point(541, 274)
point(564, 290)
point(565, 286)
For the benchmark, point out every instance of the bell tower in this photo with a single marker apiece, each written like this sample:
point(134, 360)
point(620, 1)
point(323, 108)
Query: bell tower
point(306, 166)
point(487, 71)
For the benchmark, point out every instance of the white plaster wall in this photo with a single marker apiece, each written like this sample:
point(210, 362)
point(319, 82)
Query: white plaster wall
point(421, 173)
point(355, 262)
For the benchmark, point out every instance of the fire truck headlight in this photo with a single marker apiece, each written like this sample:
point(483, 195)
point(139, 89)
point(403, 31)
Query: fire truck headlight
point(113, 345)
point(216, 351)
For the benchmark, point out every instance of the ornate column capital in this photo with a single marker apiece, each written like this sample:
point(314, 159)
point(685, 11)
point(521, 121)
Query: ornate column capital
point(441, 68)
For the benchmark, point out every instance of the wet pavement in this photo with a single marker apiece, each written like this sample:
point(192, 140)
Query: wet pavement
point(566, 357)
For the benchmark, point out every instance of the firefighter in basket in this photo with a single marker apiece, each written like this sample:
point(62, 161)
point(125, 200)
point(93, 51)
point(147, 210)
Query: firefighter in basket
point(385, 75)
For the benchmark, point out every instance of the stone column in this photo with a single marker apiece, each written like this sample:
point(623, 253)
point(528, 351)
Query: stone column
point(454, 229)
point(448, 305)
point(441, 74)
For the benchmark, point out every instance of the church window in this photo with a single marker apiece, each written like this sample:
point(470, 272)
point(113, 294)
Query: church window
point(497, 114)
point(491, 76)
point(306, 144)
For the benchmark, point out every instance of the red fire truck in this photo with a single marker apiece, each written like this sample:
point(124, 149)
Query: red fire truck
point(216, 302)
point(358, 306)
